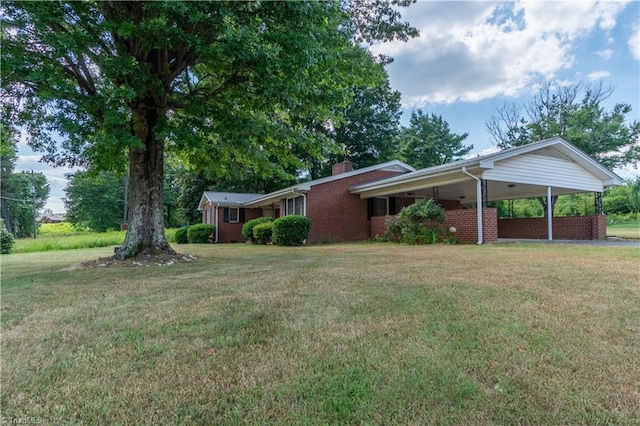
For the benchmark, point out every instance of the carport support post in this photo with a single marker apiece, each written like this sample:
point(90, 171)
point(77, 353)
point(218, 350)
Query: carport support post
point(549, 214)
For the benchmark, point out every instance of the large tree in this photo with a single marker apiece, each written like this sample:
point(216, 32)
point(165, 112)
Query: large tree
point(576, 113)
point(116, 81)
point(428, 141)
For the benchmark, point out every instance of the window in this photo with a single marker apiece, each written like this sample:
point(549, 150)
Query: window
point(294, 206)
point(207, 215)
point(233, 215)
point(380, 206)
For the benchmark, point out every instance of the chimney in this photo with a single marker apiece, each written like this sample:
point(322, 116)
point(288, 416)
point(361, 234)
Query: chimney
point(344, 167)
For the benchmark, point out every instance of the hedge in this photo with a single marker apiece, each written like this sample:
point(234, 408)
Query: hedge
point(291, 230)
point(181, 235)
point(247, 228)
point(262, 233)
point(201, 233)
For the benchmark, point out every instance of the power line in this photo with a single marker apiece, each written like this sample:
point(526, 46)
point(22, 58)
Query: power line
point(13, 199)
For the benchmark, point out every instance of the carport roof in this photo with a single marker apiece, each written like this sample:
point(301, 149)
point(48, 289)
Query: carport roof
point(459, 184)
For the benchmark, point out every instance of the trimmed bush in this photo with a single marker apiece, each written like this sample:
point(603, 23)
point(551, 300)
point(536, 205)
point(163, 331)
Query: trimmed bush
point(247, 228)
point(418, 223)
point(262, 233)
point(6, 240)
point(201, 233)
point(291, 230)
point(181, 235)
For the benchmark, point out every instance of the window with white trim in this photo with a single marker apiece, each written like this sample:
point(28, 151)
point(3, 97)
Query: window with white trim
point(207, 215)
point(234, 214)
point(294, 205)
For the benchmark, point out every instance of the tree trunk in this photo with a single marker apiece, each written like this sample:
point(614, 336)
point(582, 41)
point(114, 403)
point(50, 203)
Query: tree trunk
point(145, 230)
point(543, 201)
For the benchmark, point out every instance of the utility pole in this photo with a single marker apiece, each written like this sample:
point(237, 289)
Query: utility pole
point(33, 200)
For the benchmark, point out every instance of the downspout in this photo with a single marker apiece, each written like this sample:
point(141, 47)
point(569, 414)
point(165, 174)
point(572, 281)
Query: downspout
point(215, 220)
point(478, 202)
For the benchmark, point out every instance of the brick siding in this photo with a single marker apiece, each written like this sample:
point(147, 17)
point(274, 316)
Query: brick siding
point(465, 222)
point(230, 232)
point(564, 228)
point(338, 215)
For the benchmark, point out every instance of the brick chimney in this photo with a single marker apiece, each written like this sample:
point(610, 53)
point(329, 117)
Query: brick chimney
point(344, 167)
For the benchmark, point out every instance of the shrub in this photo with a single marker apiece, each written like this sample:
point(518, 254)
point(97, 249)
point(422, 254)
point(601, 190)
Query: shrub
point(181, 235)
point(6, 239)
point(418, 223)
point(201, 233)
point(262, 233)
point(247, 228)
point(291, 230)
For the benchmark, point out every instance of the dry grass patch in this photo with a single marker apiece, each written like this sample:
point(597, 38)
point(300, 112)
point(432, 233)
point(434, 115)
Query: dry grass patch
point(333, 334)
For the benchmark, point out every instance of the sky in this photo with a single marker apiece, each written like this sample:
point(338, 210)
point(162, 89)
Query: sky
point(472, 57)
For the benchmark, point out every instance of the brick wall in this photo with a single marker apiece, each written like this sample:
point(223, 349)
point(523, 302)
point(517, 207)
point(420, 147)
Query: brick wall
point(564, 228)
point(338, 215)
point(378, 226)
point(466, 223)
point(230, 232)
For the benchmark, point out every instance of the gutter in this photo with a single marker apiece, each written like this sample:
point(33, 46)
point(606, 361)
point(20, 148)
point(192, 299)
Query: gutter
point(478, 202)
point(216, 222)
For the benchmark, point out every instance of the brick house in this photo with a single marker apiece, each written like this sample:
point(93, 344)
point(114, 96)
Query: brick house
point(353, 204)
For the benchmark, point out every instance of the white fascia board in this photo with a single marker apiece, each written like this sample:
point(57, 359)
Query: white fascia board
point(410, 183)
point(203, 200)
point(304, 187)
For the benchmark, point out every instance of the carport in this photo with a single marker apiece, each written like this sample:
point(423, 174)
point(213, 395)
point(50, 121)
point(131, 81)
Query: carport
point(542, 169)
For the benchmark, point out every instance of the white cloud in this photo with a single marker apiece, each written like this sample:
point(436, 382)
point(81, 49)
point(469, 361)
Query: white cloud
point(598, 75)
point(634, 44)
point(470, 51)
point(605, 54)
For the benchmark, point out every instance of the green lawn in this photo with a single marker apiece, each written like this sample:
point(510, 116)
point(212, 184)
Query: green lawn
point(331, 334)
point(624, 230)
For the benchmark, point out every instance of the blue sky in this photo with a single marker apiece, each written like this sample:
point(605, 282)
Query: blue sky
point(471, 57)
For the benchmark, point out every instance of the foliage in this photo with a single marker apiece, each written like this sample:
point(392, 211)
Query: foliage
point(558, 110)
point(181, 235)
point(95, 200)
point(201, 233)
point(247, 227)
point(263, 233)
point(21, 194)
point(291, 230)
point(418, 223)
point(622, 199)
point(367, 133)
point(6, 239)
point(217, 83)
point(428, 142)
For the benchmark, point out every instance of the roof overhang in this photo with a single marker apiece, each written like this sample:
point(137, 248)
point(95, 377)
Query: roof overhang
point(453, 183)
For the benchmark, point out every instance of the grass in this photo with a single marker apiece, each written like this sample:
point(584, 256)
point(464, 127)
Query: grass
point(624, 230)
point(62, 236)
point(332, 334)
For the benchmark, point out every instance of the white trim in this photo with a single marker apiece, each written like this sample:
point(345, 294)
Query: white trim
point(237, 209)
point(549, 214)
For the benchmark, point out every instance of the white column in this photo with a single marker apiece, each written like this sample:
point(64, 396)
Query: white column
point(549, 214)
point(479, 206)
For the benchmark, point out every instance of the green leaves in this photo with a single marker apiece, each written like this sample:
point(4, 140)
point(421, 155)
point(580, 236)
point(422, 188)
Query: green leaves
point(428, 141)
